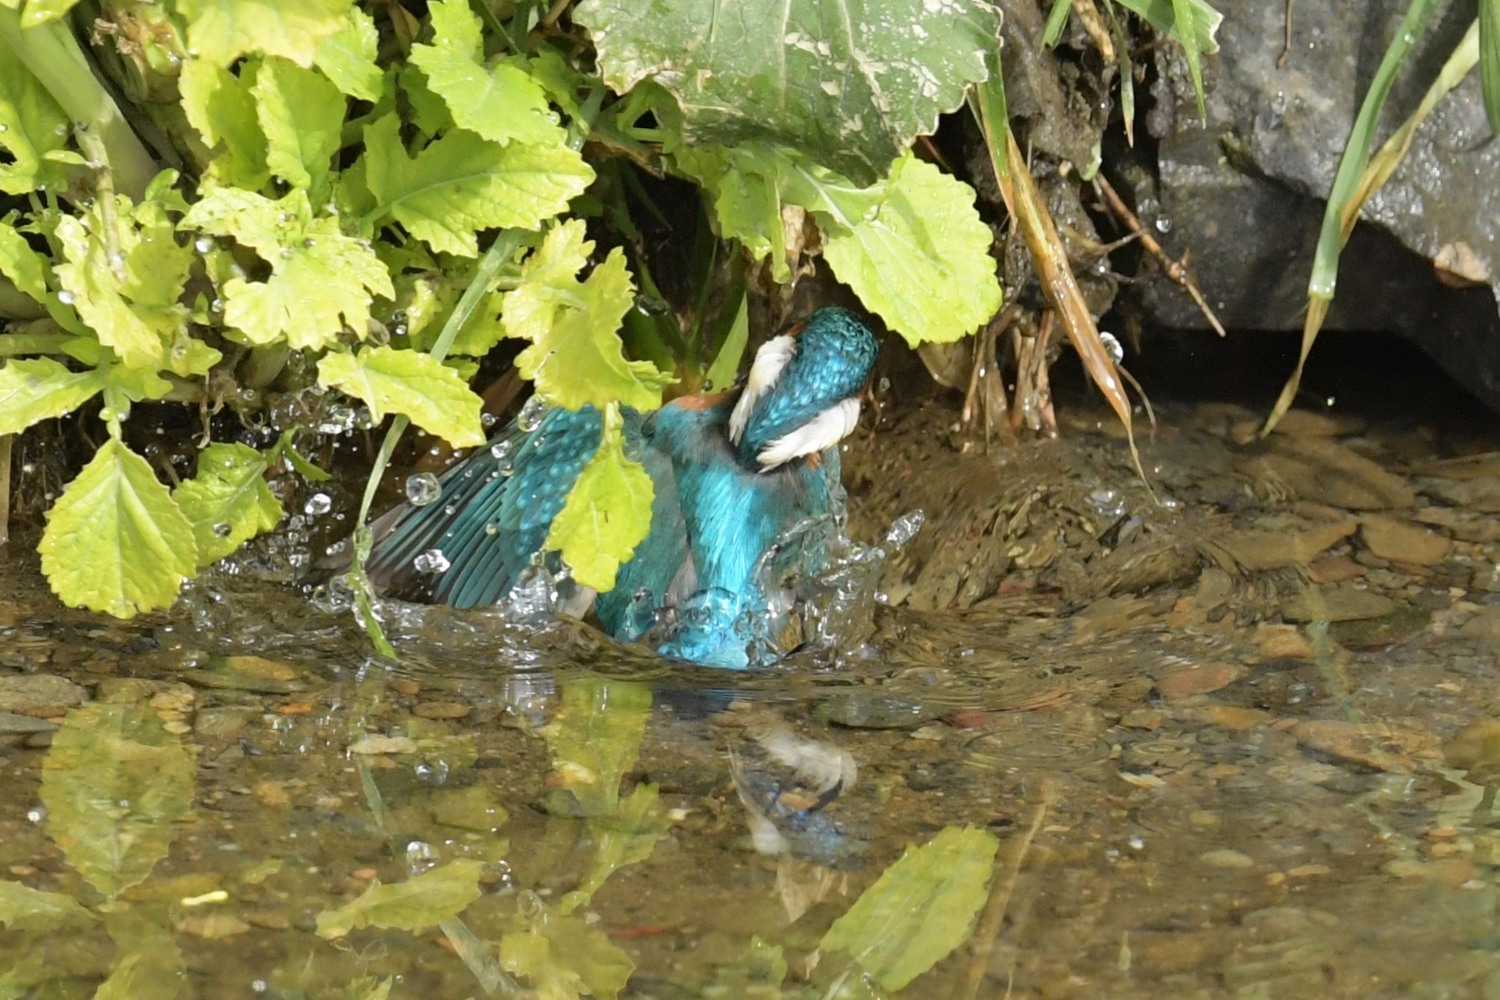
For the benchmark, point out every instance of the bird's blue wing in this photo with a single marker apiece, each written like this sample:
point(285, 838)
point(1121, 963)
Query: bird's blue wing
point(492, 516)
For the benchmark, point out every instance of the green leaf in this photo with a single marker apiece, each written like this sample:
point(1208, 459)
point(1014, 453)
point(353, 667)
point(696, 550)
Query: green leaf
point(1489, 60)
point(148, 964)
point(500, 102)
point(37, 389)
point(228, 501)
point(920, 908)
point(115, 783)
point(461, 183)
point(393, 380)
point(125, 274)
point(565, 958)
point(417, 903)
point(607, 514)
point(301, 113)
point(223, 30)
point(32, 126)
point(575, 356)
point(626, 836)
point(922, 262)
point(115, 541)
point(23, 908)
point(347, 57)
point(1163, 17)
point(221, 107)
point(321, 280)
point(851, 85)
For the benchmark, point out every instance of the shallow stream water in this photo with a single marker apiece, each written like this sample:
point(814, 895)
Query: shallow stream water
point(1239, 739)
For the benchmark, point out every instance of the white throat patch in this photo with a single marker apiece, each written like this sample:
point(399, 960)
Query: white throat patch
point(825, 430)
point(765, 371)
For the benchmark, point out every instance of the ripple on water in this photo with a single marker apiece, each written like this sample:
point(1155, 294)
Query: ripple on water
point(1070, 739)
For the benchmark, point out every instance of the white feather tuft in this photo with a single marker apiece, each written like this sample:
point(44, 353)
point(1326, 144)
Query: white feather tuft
point(770, 361)
point(825, 430)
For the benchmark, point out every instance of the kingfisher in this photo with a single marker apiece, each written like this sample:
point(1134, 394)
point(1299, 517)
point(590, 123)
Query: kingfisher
point(747, 486)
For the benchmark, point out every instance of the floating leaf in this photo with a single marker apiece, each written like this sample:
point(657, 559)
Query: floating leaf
point(321, 280)
point(115, 783)
point(23, 908)
point(922, 261)
point(115, 541)
point(576, 357)
point(850, 84)
point(36, 389)
point(461, 183)
point(228, 501)
point(920, 908)
point(394, 380)
point(500, 102)
point(419, 902)
point(607, 514)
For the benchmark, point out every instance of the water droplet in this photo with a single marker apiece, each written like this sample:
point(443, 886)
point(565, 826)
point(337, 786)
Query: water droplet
point(905, 528)
point(318, 503)
point(65, 297)
point(431, 561)
point(504, 459)
point(1163, 224)
point(1112, 346)
point(1106, 501)
point(203, 244)
point(422, 488)
point(223, 530)
point(530, 417)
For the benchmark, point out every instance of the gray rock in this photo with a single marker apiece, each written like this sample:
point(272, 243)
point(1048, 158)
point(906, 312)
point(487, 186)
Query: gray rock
point(1245, 194)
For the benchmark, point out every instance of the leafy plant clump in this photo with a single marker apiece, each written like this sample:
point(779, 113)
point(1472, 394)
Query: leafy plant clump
point(330, 197)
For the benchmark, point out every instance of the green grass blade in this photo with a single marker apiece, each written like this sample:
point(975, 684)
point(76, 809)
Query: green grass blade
point(1489, 60)
point(1057, 19)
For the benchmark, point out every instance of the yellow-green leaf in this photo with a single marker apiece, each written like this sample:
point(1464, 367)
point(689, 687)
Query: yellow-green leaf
point(576, 357)
point(221, 107)
point(565, 958)
point(115, 540)
point(347, 57)
point(608, 512)
point(36, 389)
point(301, 112)
point(23, 908)
point(115, 784)
point(922, 260)
point(920, 908)
point(228, 501)
point(223, 30)
point(501, 102)
point(393, 380)
point(419, 902)
point(462, 183)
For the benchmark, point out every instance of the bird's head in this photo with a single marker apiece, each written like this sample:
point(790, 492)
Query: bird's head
point(802, 394)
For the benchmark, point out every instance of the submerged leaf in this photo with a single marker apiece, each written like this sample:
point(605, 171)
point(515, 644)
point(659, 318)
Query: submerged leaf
point(115, 540)
point(115, 783)
point(23, 908)
point(228, 501)
point(422, 901)
point(394, 380)
point(920, 908)
point(596, 737)
point(607, 514)
point(566, 958)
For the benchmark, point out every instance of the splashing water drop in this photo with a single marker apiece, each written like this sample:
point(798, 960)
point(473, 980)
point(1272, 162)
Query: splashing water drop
point(422, 488)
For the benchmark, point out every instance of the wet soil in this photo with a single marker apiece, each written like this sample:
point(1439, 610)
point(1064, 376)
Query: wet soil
point(1233, 729)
